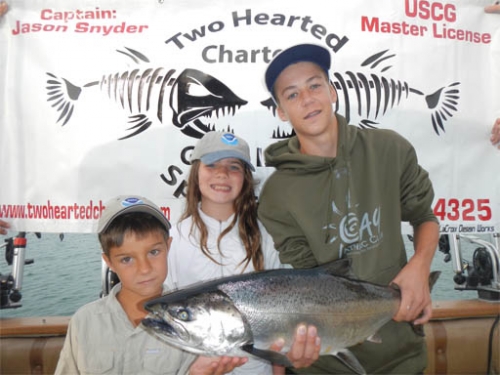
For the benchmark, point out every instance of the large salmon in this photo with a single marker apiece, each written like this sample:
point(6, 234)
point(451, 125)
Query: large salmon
point(246, 313)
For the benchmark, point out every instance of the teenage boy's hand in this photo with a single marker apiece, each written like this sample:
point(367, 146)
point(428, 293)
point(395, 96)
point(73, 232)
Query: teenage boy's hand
point(216, 365)
point(304, 350)
point(495, 132)
point(416, 304)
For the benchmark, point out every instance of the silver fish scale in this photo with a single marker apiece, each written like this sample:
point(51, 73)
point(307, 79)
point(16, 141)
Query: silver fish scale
point(344, 311)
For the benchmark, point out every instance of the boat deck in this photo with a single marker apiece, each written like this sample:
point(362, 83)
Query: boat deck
point(461, 338)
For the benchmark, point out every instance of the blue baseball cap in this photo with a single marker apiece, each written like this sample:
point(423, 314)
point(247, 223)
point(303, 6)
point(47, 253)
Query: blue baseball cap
point(215, 146)
point(301, 52)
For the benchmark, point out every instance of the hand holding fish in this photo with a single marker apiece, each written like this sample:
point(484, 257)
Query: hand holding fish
point(304, 350)
point(216, 365)
point(257, 312)
point(416, 304)
point(3, 227)
point(495, 134)
point(493, 8)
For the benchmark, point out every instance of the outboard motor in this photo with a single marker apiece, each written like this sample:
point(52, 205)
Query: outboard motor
point(483, 272)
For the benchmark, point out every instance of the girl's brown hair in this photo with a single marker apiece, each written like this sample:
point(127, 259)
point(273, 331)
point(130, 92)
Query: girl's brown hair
point(245, 208)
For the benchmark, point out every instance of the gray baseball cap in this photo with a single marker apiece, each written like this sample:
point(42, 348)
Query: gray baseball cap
point(125, 204)
point(215, 146)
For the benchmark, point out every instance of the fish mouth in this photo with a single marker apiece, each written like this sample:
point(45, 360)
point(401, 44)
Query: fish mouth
point(159, 326)
point(171, 333)
point(196, 98)
point(278, 133)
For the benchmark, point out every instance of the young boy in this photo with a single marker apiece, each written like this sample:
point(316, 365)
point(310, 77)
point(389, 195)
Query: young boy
point(105, 336)
point(339, 191)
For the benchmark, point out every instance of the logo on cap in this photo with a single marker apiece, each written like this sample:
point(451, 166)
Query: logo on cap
point(229, 139)
point(127, 202)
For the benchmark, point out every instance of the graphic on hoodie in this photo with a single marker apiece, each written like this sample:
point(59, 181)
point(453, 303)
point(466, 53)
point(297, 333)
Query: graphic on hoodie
point(369, 96)
point(195, 97)
point(354, 231)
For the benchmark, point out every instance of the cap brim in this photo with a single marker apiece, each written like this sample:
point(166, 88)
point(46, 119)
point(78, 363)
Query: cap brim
point(301, 52)
point(214, 157)
point(104, 222)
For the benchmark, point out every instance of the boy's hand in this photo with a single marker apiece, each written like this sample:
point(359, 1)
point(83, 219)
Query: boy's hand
point(304, 350)
point(216, 365)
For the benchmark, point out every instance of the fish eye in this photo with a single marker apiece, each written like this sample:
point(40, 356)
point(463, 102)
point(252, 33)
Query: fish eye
point(184, 315)
point(194, 88)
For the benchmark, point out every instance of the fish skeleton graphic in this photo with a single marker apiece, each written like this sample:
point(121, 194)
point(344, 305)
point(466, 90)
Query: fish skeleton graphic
point(375, 94)
point(195, 97)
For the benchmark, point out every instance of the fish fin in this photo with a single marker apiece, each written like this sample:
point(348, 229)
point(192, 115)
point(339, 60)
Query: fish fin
point(433, 277)
point(141, 121)
point(340, 267)
point(268, 355)
point(134, 55)
point(375, 339)
point(418, 329)
point(62, 95)
point(348, 359)
point(368, 124)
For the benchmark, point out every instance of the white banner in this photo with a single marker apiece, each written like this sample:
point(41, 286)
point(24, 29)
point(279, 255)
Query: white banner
point(101, 97)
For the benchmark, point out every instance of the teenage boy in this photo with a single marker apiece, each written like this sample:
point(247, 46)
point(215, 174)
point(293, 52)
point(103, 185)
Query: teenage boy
point(340, 191)
point(105, 336)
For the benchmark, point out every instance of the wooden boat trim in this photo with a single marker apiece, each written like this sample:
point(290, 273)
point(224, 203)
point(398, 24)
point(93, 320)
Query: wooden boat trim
point(462, 337)
point(34, 326)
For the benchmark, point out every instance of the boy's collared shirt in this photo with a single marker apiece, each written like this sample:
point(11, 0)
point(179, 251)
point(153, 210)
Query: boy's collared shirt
point(101, 339)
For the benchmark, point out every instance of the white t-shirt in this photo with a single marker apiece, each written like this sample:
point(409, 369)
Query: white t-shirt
point(187, 264)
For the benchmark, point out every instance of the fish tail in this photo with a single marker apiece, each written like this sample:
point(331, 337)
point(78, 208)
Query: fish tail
point(443, 103)
point(61, 95)
point(433, 277)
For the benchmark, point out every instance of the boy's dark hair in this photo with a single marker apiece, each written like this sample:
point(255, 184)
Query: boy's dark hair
point(138, 223)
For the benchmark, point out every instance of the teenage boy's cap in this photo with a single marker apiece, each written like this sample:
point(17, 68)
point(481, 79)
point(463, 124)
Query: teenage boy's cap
point(215, 146)
point(125, 204)
point(300, 52)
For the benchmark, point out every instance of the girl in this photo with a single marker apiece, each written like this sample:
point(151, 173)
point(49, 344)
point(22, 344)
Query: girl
point(219, 234)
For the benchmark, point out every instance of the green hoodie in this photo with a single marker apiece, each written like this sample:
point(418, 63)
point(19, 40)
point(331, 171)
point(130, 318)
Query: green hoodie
point(320, 209)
